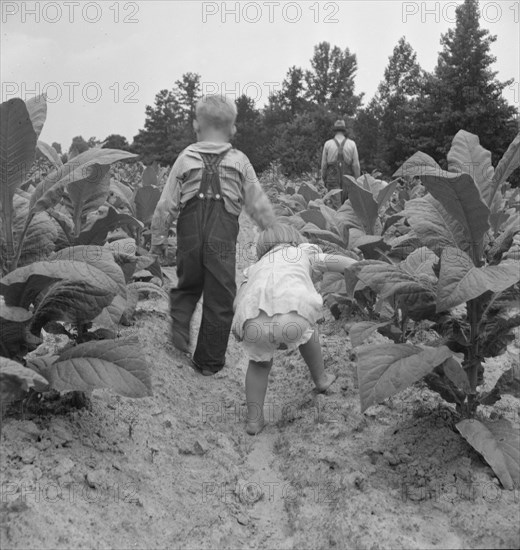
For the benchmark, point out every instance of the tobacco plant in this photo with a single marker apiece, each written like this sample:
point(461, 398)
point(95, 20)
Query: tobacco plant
point(55, 273)
point(464, 285)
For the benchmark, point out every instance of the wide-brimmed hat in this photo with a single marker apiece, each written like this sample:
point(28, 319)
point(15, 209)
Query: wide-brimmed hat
point(340, 126)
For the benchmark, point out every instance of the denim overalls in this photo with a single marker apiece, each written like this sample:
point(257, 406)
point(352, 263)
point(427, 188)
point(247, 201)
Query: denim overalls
point(206, 250)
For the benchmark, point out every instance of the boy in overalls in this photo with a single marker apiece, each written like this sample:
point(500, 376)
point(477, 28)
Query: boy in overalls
point(339, 158)
point(207, 187)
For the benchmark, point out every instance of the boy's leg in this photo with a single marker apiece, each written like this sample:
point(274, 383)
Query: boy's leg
point(217, 314)
point(311, 353)
point(190, 274)
point(256, 387)
point(219, 258)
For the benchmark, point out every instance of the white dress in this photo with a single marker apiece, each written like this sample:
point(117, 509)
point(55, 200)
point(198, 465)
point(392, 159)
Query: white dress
point(280, 283)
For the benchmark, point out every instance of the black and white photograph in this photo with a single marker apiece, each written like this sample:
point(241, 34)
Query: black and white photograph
point(259, 275)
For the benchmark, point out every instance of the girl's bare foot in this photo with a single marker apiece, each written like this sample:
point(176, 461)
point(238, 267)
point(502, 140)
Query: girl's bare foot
point(254, 427)
point(325, 382)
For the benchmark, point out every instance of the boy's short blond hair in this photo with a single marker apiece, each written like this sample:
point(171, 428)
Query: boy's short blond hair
point(216, 111)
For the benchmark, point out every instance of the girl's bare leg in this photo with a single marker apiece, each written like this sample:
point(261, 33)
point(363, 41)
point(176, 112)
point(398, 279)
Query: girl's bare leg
point(311, 353)
point(256, 387)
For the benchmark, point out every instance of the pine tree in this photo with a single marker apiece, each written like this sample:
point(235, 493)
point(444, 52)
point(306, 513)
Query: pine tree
point(463, 92)
point(397, 102)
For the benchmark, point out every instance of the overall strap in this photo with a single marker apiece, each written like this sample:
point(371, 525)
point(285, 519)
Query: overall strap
point(210, 182)
point(340, 147)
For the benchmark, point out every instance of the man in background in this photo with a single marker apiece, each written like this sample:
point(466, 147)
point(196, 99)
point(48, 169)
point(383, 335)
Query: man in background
point(339, 158)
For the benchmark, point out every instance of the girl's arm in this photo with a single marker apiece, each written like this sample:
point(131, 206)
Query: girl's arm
point(331, 262)
point(241, 290)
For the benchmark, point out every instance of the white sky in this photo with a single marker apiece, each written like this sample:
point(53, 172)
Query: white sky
point(102, 62)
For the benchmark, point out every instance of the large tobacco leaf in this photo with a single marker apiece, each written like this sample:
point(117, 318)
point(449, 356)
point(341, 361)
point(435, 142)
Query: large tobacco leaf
point(385, 194)
point(38, 243)
point(458, 194)
point(96, 232)
point(16, 380)
point(85, 170)
point(460, 281)
point(37, 109)
point(22, 286)
point(363, 330)
point(387, 369)
point(433, 225)
point(70, 301)
point(115, 364)
point(101, 259)
point(50, 153)
point(363, 203)
point(509, 162)
point(414, 292)
point(17, 150)
point(469, 157)
point(499, 443)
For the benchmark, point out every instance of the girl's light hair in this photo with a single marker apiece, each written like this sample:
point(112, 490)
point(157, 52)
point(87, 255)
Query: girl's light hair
point(216, 111)
point(278, 233)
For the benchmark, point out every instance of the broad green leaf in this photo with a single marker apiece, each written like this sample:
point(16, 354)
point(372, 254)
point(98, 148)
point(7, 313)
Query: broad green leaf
point(420, 261)
point(460, 281)
point(373, 247)
point(50, 153)
point(333, 283)
point(457, 193)
point(84, 169)
point(95, 233)
point(404, 245)
point(433, 225)
point(309, 192)
point(509, 381)
point(387, 369)
point(509, 162)
point(39, 240)
point(13, 341)
point(17, 151)
point(363, 330)
point(88, 195)
point(115, 364)
point(368, 182)
point(22, 286)
point(315, 217)
point(384, 196)
point(416, 165)
point(121, 196)
point(72, 302)
point(467, 156)
point(499, 443)
point(453, 370)
point(363, 203)
point(37, 109)
point(313, 231)
point(348, 217)
point(101, 259)
point(16, 380)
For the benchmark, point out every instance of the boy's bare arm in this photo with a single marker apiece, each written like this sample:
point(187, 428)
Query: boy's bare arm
point(355, 163)
point(256, 202)
point(324, 162)
point(167, 208)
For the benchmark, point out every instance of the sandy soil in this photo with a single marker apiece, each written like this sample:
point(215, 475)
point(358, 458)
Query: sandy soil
point(177, 470)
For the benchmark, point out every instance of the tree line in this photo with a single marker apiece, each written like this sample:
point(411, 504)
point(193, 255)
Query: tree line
point(412, 109)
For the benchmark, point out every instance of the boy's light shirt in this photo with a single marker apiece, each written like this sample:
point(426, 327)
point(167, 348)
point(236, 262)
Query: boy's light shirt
point(239, 184)
point(330, 153)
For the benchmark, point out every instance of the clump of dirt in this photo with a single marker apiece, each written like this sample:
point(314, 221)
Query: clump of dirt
point(177, 470)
